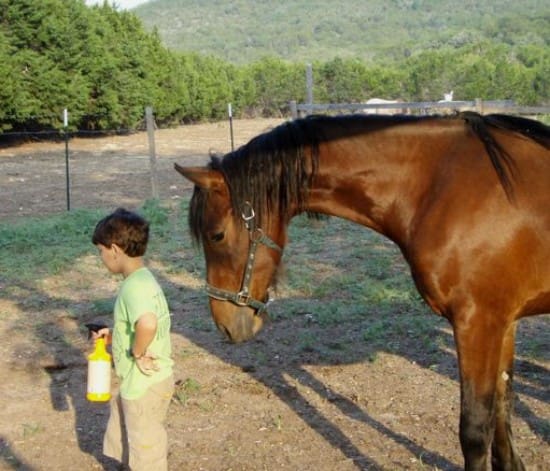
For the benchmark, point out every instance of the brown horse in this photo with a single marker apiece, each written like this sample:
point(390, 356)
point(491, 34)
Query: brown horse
point(466, 198)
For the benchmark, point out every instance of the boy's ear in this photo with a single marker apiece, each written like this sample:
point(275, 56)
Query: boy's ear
point(116, 249)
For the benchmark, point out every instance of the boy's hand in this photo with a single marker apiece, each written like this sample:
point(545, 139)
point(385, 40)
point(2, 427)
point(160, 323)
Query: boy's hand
point(97, 330)
point(147, 363)
point(103, 332)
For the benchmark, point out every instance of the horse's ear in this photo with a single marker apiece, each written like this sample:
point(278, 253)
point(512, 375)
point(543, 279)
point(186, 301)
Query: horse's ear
point(202, 177)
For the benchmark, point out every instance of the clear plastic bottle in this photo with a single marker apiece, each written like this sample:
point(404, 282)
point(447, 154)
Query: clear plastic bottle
point(99, 373)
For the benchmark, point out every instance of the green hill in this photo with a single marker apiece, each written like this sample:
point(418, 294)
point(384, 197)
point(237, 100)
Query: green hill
point(242, 31)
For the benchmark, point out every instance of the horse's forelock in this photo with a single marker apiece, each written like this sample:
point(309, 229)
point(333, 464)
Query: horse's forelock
point(196, 212)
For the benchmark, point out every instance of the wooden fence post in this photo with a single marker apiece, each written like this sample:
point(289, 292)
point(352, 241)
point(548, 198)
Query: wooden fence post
point(479, 105)
point(309, 85)
point(230, 113)
point(150, 123)
point(293, 109)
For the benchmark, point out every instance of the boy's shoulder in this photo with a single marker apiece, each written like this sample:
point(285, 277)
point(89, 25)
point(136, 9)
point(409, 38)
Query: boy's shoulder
point(140, 279)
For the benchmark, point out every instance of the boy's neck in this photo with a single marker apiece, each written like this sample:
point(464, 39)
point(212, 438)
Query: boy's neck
point(131, 264)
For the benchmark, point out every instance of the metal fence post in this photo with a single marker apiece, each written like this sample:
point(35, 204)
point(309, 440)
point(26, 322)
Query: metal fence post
point(150, 123)
point(230, 113)
point(67, 174)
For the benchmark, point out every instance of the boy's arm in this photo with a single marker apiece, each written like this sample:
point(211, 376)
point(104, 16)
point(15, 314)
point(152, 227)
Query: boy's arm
point(146, 329)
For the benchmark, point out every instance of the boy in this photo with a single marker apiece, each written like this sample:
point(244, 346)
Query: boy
point(140, 346)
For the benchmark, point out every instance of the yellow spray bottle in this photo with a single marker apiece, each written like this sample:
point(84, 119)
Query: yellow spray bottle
point(99, 373)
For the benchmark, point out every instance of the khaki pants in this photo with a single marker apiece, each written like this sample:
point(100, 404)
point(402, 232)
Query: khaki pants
point(135, 432)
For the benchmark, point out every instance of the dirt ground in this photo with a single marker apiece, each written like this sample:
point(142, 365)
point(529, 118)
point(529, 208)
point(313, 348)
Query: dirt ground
point(269, 404)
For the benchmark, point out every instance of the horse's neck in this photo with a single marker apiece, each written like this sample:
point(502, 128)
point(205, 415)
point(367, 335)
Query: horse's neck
point(377, 186)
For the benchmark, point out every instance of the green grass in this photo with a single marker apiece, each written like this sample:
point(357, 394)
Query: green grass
point(45, 246)
point(341, 270)
point(186, 389)
point(102, 306)
point(338, 274)
point(36, 246)
point(31, 429)
point(202, 324)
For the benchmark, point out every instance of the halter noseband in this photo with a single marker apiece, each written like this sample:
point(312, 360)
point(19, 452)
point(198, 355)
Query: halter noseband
point(256, 236)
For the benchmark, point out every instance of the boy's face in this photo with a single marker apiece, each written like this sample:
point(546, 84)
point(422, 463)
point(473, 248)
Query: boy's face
point(110, 257)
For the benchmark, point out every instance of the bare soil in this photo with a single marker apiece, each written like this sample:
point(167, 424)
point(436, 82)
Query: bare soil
point(276, 402)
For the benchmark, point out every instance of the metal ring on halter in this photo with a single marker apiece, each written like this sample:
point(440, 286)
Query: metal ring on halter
point(252, 213)
point(256, 235)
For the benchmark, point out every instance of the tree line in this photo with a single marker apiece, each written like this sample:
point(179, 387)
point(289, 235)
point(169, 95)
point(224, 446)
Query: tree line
point(104, 67)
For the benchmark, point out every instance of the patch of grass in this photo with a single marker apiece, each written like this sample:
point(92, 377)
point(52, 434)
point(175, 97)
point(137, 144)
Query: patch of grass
point(277, 423)
point(344, 264)
point(186, 389)
point(308, 342)
point(202, 324)
point(45, 246)
point(35, 247)
point(103, 306)
point(185, 353)
point(206, 406)
point(375, 331)
point(31, 429)
point(156, 214)
point(533, 338)
point(260, 357)
point(535, 347)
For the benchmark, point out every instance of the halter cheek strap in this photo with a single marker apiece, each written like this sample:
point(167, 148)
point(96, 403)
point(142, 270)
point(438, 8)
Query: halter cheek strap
point(256, 237)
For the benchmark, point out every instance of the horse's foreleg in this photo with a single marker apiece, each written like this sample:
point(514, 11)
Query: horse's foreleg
point(478, 348)
point(504, 456)
point(486, 356)
point(476, 427)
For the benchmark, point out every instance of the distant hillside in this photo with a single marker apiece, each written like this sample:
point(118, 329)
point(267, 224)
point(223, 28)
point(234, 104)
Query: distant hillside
point(242, 31)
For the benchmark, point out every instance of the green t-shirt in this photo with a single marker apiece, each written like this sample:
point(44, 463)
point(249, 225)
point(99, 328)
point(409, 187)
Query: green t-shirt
point(140, 293)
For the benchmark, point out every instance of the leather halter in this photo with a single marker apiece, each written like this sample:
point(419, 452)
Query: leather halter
point(256, 236)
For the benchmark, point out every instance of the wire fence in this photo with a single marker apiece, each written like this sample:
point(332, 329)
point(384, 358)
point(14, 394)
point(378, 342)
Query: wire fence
point(51, 172)
point(111, 171)
point(56, 170)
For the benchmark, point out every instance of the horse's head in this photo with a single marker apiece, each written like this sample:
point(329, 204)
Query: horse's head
point(241, 258)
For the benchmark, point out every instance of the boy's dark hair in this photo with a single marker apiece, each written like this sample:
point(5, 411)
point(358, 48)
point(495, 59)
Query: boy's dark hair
point(124, 228)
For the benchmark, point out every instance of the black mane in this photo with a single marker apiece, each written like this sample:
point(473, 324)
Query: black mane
point(502, 161)
point(274, 170)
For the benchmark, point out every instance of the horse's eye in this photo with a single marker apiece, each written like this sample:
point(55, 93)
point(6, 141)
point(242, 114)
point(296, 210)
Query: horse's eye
point(217, 237)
